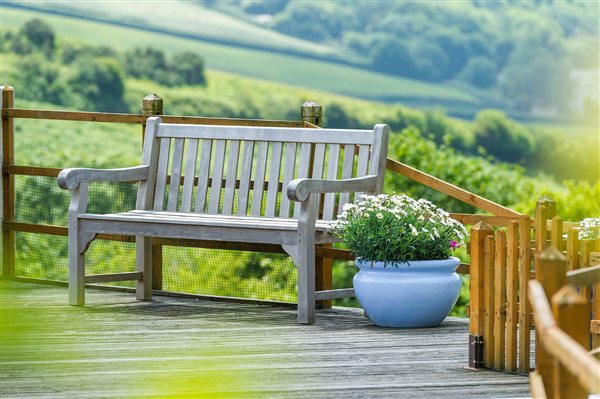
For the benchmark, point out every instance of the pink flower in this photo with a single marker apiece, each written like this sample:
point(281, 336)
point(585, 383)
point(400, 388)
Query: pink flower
point(454, 245)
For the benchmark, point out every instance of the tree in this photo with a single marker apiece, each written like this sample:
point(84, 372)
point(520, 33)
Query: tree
point(100, 82)
point(189, 67)
point(480, 72)
point(501, 137)
point(40, 34)
point(391, 56)
point(144, 62)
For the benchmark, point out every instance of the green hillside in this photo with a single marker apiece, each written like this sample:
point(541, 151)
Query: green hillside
point(265, 65)
point(187, 19)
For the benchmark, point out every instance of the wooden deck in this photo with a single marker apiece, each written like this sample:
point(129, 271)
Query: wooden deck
point(173, 347)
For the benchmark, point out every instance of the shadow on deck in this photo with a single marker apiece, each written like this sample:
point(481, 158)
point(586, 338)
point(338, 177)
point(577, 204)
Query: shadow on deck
point(173, 347)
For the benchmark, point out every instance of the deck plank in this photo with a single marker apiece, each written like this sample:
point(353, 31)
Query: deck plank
point(118, 347)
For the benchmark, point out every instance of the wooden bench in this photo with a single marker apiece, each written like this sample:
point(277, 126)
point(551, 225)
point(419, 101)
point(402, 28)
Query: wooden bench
point(240, 184)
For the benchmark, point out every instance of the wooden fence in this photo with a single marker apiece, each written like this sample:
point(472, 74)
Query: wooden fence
point(311, 115)
point(503, 261)
point(564, 367)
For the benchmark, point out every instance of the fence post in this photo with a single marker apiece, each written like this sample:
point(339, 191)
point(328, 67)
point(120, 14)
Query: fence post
point(551, 272)
point(571, 312)
point(596, 299)
point(500, 300)
point(312, 112)
point(524, 304)
point(512, 283)
point(153, 105)
point(476, 327)
point(7, 207)
point(488, 301)
point(556, 233)
point(573, 248)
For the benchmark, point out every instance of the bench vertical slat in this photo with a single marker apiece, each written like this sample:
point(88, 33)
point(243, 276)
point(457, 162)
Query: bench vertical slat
point(363, 165)
point(203, 172)
point(288, 176)
point(346, 173)
point(378, 161)
point(150, 152)
point(259, 177)
point(274, 172)
point(217, 177)
point(175, 175)
point(332, 172)
point(318, 165)
point(190, 172)
point(232, 166)
point(303, 168)
point(245, 177)
point(161, 173)
point(319, 161)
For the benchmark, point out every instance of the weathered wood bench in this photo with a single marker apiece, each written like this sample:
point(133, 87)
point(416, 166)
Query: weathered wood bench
point(230, 194)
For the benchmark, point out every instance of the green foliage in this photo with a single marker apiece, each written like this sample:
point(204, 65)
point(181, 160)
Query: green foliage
point(393, 56)
point(577, 201)
point(531, 45)
point(501, 137)
point(189, 67)
point(397, 229)
point(479, 71)
point(40, 35)
point(503, 183)
point(151, 63)
point(101, 82)
point(40, 79)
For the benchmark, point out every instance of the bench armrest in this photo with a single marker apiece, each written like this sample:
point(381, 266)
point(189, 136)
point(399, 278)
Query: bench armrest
point(300, 189)
point(70, 178)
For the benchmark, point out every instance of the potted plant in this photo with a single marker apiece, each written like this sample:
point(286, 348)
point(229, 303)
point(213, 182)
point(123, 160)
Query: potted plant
point(403, 248)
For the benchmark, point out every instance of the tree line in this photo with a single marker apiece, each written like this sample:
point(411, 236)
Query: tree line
point(521, 50)
point(89, 77)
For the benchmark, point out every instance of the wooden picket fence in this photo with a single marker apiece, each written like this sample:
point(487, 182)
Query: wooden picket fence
point(564, 367)
point(503, 261)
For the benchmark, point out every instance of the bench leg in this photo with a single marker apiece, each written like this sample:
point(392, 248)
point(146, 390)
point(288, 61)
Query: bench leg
point(143, 261)
point(76, 269)
point(78, 244)
point(306, 261)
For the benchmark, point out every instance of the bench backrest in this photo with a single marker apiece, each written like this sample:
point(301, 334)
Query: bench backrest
point(235, 170)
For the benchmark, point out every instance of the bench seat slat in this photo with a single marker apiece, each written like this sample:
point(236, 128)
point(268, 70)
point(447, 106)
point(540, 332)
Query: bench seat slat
point(205, 220)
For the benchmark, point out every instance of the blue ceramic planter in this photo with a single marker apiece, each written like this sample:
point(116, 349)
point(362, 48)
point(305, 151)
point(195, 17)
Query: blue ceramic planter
point(417, 294)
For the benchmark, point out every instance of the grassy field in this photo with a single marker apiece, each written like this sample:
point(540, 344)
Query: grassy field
point(191, 19)
point(265, 65)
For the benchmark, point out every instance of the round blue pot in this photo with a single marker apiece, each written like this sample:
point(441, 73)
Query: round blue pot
point(414, 294)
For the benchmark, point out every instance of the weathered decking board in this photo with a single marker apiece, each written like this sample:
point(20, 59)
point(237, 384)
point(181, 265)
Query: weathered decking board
point(118, 347)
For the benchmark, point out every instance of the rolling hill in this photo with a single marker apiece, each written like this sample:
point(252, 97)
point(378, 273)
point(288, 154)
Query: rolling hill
point(302, 71)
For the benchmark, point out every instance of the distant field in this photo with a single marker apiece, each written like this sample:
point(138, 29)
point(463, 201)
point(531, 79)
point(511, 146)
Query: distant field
point(187, 18)
point(293, 70)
